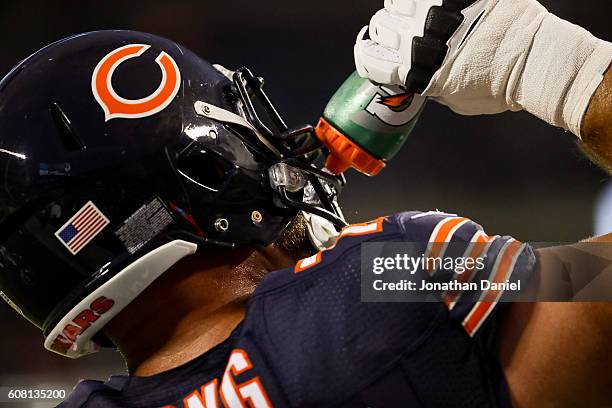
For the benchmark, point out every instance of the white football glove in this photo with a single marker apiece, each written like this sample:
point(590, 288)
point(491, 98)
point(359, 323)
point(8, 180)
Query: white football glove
point(485, 56)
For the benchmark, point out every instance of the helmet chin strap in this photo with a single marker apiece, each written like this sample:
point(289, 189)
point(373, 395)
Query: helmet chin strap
point(321, 232)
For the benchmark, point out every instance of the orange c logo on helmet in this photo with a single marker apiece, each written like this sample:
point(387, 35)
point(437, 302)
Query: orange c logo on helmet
point(117, 107)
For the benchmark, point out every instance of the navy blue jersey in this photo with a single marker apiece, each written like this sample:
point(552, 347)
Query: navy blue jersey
point(309, 341)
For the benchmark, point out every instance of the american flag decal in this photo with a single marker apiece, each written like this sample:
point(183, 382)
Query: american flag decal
point(82, 228)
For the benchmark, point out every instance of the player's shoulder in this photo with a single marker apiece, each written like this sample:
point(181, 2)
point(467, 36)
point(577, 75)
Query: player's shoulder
point(435, 226)
point(310, 322)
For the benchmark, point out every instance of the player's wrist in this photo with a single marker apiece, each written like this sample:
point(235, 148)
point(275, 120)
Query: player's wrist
point(562, 71)
point(586, 84)
point(485, 74)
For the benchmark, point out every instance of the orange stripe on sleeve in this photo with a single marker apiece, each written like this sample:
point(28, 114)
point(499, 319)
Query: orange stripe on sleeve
point(441, 236)
point(479, 246)
point(501, 272)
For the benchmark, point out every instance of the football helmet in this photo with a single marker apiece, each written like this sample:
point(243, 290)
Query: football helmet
point(120, 154)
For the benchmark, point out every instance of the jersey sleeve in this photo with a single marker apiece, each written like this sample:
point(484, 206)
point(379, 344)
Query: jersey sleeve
point(506, 269)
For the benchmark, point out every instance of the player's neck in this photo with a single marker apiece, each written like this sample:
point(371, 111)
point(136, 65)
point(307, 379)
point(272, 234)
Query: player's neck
point(191, 308)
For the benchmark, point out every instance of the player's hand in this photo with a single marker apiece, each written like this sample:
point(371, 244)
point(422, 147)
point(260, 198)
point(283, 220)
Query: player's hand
point(451, 52)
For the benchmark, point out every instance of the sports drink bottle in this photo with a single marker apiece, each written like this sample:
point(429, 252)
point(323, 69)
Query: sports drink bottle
point(365, 124)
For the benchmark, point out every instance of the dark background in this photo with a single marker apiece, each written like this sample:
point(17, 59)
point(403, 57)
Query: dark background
point(511, 172)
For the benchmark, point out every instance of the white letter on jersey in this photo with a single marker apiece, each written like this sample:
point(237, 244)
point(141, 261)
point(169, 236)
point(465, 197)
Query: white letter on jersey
point(235, 396)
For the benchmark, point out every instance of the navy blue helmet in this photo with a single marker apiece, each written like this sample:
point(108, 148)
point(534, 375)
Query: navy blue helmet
point(120, 154)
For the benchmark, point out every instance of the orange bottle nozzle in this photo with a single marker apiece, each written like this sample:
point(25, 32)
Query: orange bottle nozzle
point(344, 153)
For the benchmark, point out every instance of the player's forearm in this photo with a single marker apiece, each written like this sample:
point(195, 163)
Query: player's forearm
point(577, 272)
point(597, 126)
